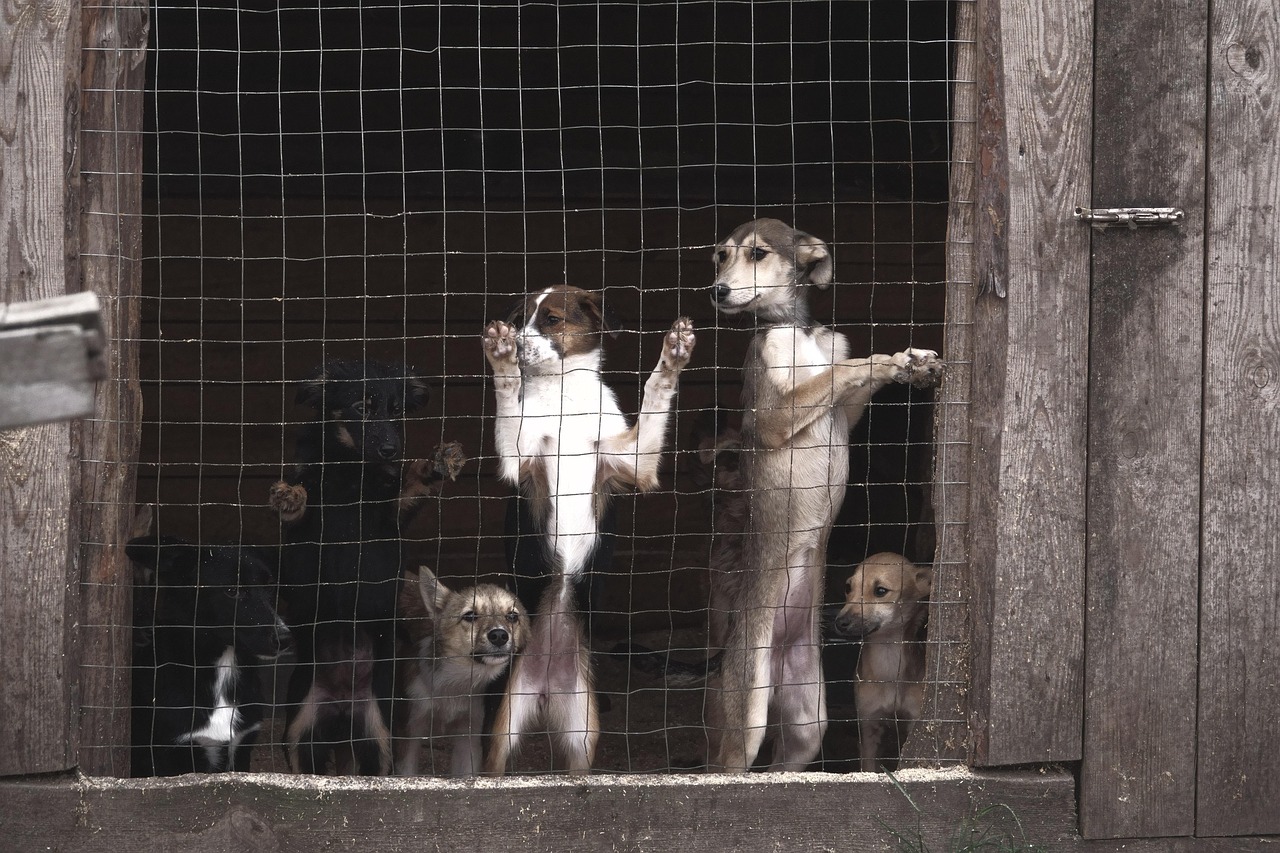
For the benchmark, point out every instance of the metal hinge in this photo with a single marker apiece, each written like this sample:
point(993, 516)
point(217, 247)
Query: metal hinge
point(1105, 217)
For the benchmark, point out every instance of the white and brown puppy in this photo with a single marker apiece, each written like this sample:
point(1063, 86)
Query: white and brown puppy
point(561, 436)
point(463, 642)
point(801, 394)
point(886, 604)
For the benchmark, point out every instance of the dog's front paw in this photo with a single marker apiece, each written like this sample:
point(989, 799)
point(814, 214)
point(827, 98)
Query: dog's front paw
point(500, 345)
point(919, 367)
point(449, 459)
point(289, 502)
point(677, 347)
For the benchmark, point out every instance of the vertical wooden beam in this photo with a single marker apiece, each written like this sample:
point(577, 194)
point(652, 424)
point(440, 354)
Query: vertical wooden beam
point(1029, 380)
point(1239, 765)
point(942, 735)
point(1138, 771)
point(39, 252)
point(115, 43)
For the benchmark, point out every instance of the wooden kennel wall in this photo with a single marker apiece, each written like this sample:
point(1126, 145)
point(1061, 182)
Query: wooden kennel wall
point(1106, 471)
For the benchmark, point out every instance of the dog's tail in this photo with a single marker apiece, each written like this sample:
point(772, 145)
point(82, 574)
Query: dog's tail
point(676, 673)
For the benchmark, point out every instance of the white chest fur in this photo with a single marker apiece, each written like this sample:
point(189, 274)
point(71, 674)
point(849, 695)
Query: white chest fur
point(792, 354)
point(224, 729)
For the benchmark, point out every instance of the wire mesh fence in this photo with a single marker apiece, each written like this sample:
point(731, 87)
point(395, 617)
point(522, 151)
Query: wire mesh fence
point(339, 198)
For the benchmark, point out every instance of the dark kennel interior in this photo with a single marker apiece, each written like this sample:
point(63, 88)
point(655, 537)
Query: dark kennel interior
point(379, 180)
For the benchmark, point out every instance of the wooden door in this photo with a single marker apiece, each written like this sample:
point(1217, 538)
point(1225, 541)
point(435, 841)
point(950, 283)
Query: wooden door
point(1182, 600)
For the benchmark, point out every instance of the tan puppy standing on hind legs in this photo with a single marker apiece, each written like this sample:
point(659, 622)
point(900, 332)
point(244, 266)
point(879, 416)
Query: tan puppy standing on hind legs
point(801, 394)
point(561, 436)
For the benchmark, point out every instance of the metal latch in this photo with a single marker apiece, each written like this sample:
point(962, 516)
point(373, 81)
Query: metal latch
point(1105, 217)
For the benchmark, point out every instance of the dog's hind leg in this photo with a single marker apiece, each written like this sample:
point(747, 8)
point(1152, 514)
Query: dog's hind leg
point(370, 739)
point(744, 691)
point(801, 709)
point(574, 715)
point(518, 711)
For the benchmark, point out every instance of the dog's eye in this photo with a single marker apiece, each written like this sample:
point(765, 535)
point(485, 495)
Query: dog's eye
point(231, 592)
point(721, 256)
point(881, 592)
point(513, 617)
point(394, 410)
point(360, 408)
point(848, 588)
point(757, 254)
point(551, 320)
point(470, 616)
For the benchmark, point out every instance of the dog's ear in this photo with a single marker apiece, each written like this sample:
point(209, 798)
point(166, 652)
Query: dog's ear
point(432, 590)
point(593, 303)
point(516, 313)
point(168, 561)
point(311, 390)
point(813, 260)
point(924, 581)
point(417, 393)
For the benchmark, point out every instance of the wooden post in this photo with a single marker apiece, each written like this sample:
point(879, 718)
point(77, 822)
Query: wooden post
point(942, 735)
point(39, 258)
point(1238, 767)
point(1029, 381)
point(1138, 769)
point(115, 43)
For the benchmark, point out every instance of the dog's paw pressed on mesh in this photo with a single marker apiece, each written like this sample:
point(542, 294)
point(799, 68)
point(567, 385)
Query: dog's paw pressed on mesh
point(289, 502)
point(449, 459)
point(679, 343)
point(919, 367)
point(500, 343)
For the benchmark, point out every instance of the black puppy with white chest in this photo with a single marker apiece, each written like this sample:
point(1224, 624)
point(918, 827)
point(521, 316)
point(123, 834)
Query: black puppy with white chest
point(342, 511)
point(203, 617)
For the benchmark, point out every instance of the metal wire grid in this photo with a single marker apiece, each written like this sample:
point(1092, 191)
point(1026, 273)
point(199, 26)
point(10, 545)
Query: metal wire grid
point(378, 180)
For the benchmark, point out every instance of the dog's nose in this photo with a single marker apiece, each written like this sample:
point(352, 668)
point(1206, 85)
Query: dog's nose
point(498, 637)
point(388, 451)
point(719, 292)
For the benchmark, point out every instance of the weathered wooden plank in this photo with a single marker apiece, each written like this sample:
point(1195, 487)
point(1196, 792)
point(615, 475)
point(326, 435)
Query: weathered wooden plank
point(114, 36)
point(632, 813)
point(39, 65)
point(1138, 771)
point(943, 734)
point(1029, 397)
point(1239, 766)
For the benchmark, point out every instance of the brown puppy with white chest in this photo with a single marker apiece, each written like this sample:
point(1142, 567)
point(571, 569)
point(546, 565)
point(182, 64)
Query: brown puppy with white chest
point(886, 604)
point(463, 642)
point(561, 436)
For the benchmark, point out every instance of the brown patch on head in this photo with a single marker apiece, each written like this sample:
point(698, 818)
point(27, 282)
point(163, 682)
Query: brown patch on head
point(807, 255)
point(570, 318)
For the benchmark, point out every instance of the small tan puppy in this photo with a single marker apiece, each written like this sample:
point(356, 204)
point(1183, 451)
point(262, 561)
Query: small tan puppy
point(886, 605)
point(464, 641)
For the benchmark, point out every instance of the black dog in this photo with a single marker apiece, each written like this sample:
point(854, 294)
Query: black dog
point(202, 616)
point(343, 509)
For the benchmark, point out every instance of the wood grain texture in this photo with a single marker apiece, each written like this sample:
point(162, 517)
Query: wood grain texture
point(1029, 401)
point(626, 813)
point(1138, 771)
point(115, 40)
point(942, 735)
point(1239, 766)
point(38, 254)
